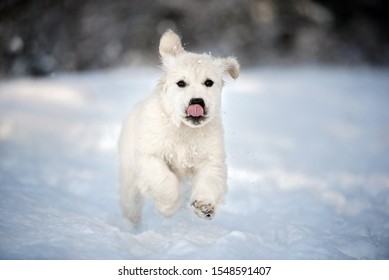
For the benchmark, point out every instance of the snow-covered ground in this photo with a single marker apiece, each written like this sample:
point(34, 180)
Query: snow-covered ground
point(308, 157)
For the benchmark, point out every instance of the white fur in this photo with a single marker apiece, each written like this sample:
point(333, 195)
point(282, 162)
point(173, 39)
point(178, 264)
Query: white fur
point(159, 147)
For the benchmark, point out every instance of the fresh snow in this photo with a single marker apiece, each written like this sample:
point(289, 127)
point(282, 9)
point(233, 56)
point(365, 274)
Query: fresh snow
point(307, 152)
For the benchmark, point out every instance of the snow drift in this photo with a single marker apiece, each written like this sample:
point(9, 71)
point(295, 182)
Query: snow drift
point(307, 155)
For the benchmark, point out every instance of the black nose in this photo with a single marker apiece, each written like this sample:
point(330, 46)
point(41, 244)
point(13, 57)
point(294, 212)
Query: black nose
point(199, 101)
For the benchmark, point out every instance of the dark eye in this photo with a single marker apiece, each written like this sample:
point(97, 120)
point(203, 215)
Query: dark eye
point(208, 83)
point(181, 84)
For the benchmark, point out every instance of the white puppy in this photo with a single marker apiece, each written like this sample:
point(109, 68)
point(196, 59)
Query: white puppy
point(176, 133)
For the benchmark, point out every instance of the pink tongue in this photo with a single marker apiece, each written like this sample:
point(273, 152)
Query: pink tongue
point(195, 110)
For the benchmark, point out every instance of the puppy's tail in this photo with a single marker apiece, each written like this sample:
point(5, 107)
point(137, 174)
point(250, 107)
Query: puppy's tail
point(130, 197)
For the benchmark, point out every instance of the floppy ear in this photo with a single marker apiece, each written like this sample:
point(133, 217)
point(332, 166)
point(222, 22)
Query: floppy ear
point(229, 64)
point(170, 45)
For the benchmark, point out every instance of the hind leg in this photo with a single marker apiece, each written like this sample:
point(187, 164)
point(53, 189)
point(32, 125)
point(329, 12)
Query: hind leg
point(130, 197)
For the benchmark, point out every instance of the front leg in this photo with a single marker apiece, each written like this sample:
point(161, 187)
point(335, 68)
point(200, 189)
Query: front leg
point(161, 183)
point(209, 189)
point(203, 209)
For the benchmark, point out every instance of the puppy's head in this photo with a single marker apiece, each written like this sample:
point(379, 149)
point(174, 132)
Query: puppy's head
point(192, 82)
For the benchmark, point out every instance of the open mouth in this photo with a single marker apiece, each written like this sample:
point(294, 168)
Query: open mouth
point(196, 111)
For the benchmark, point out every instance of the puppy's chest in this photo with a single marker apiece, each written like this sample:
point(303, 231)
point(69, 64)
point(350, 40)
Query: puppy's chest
point(185, 158)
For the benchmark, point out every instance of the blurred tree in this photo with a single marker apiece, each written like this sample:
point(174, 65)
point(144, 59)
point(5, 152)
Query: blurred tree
point(41, 36)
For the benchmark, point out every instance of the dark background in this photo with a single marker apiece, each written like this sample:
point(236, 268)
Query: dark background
point(39, 37)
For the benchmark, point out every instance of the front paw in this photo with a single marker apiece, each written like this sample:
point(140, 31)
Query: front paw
point(204, 210)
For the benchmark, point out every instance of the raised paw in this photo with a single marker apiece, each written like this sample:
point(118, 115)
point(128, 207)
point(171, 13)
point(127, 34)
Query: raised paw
point(204, 210)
